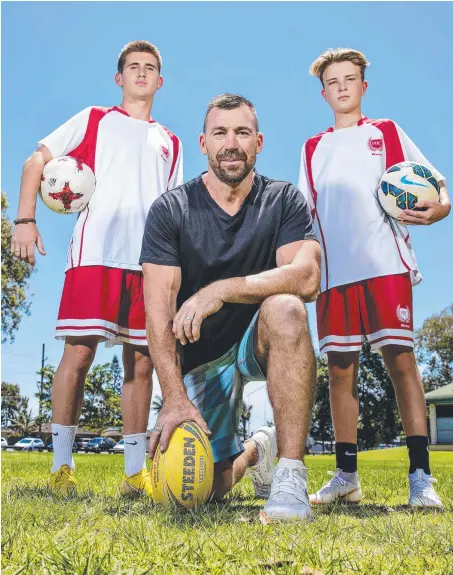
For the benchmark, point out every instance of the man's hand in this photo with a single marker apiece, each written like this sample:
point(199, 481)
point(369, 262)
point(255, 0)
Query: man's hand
point(188, 320)
point(25, 236)
point(435, 212)
point(173, 413)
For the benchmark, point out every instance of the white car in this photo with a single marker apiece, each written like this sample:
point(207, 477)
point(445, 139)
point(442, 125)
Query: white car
point(4, 443)
point(118, 448)
point(29, 444)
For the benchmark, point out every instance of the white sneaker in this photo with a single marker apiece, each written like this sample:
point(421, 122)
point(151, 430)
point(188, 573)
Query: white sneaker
point(263, 472)
point(422, 492)
point(342, 486)
point(289, 496)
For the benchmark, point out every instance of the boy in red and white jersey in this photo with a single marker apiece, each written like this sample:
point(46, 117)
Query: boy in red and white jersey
point(369, 268)
point(134, 159)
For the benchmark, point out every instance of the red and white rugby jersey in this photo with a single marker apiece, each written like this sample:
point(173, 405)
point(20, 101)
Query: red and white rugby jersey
point(134, 161)
point(339, 173)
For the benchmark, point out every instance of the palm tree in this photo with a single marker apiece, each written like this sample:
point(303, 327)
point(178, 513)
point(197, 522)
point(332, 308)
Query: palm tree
point(245, 418)
point(25, 423)
point(157, 404)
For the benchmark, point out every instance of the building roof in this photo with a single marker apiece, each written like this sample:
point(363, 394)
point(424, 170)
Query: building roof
point(443, 394)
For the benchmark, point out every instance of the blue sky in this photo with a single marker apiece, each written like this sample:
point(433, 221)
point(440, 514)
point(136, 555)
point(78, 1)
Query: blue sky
point(59, 57)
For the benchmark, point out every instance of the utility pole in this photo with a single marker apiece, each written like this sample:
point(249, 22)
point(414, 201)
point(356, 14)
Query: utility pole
point(41, 386)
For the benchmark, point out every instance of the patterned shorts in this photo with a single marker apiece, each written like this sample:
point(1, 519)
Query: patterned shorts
point(216, 387)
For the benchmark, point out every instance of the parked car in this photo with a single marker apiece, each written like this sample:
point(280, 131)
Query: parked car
point(29, 444)
point(119, 447)
point(98, 444)
point(4, 443)
point(75, 448)
point(319, 449)
point(82, 442)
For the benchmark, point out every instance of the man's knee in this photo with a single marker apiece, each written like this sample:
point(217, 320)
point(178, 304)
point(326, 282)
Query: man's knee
point(284, 315)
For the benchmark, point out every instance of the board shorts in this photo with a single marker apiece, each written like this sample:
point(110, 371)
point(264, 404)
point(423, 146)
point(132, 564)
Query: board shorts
point(378, 310)
point(216, 388)
point(104, 302)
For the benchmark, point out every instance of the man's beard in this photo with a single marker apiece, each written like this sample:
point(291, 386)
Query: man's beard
point(235, 176)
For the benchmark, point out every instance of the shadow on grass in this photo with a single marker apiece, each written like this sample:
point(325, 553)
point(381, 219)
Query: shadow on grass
point(42, 492)
point(365, 510)
point(229, 511)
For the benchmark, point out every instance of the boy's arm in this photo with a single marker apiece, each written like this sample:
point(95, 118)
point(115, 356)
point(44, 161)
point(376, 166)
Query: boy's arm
point(26, 236)
point(64, 139)
point(435, 211)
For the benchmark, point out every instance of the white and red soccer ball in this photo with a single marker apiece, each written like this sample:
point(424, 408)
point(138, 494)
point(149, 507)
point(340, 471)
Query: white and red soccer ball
point(67, 185)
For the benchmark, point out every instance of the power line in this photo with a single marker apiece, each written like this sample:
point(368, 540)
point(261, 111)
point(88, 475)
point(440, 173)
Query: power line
point(255, 390)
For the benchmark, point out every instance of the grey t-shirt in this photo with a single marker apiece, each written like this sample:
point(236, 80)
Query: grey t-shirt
point(186, 228)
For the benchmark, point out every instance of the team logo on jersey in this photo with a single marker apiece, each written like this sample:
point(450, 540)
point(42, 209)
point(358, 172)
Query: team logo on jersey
point(165, 154)
point(403, 314)
point(376, 144)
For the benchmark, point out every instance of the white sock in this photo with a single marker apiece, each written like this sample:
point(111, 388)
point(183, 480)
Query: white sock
point(63, 439)
point(134, 453)
point(289, 463)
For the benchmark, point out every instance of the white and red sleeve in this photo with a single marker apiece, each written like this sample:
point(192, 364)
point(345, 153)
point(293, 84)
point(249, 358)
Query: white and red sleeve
point(176, 177)
point(413, 154)
point(68, 136)
point(303, 182)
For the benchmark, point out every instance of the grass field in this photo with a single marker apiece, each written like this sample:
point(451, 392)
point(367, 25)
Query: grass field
point(100, 532)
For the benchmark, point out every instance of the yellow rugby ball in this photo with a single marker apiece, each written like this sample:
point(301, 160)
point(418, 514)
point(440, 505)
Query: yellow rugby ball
point(182, 476)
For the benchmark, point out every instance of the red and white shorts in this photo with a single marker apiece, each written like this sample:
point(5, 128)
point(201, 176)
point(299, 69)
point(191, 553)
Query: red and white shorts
point(377, 309)
point(103, 301)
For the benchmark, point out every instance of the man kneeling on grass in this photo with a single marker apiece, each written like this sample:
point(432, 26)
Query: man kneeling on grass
point(229, 259)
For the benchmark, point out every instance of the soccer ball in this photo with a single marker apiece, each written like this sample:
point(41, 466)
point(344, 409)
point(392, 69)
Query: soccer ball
point(67, 185)
point(403, 185)
point(182, 476)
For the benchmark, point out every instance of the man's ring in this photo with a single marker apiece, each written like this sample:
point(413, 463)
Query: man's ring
point(158, 428)
point(189, 318)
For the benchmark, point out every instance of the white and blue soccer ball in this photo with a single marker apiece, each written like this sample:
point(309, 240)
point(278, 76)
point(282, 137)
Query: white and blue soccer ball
point(405, 184)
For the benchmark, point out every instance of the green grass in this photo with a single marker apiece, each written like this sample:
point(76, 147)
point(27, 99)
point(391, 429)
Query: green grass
point(99, 532)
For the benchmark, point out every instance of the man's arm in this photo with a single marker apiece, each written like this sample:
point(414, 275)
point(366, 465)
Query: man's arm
point(161, 287)
point(25, 236)
point(299, 273)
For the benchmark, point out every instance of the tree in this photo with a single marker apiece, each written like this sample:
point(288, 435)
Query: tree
point(246, 414)
point(101, 408)
point(157, 404)
point(434, 347)
point(44, 393)
point(11, 402)
point(117, 375)
point(321, 426)
point(15, 274)
point(25, 423)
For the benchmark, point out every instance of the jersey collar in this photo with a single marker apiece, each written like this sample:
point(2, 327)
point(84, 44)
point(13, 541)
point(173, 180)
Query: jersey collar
point(362, 121)
point(121, 111)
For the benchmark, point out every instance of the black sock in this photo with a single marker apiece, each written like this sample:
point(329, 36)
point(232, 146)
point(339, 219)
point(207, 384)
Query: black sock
point(418, 447)
point(346, 456)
